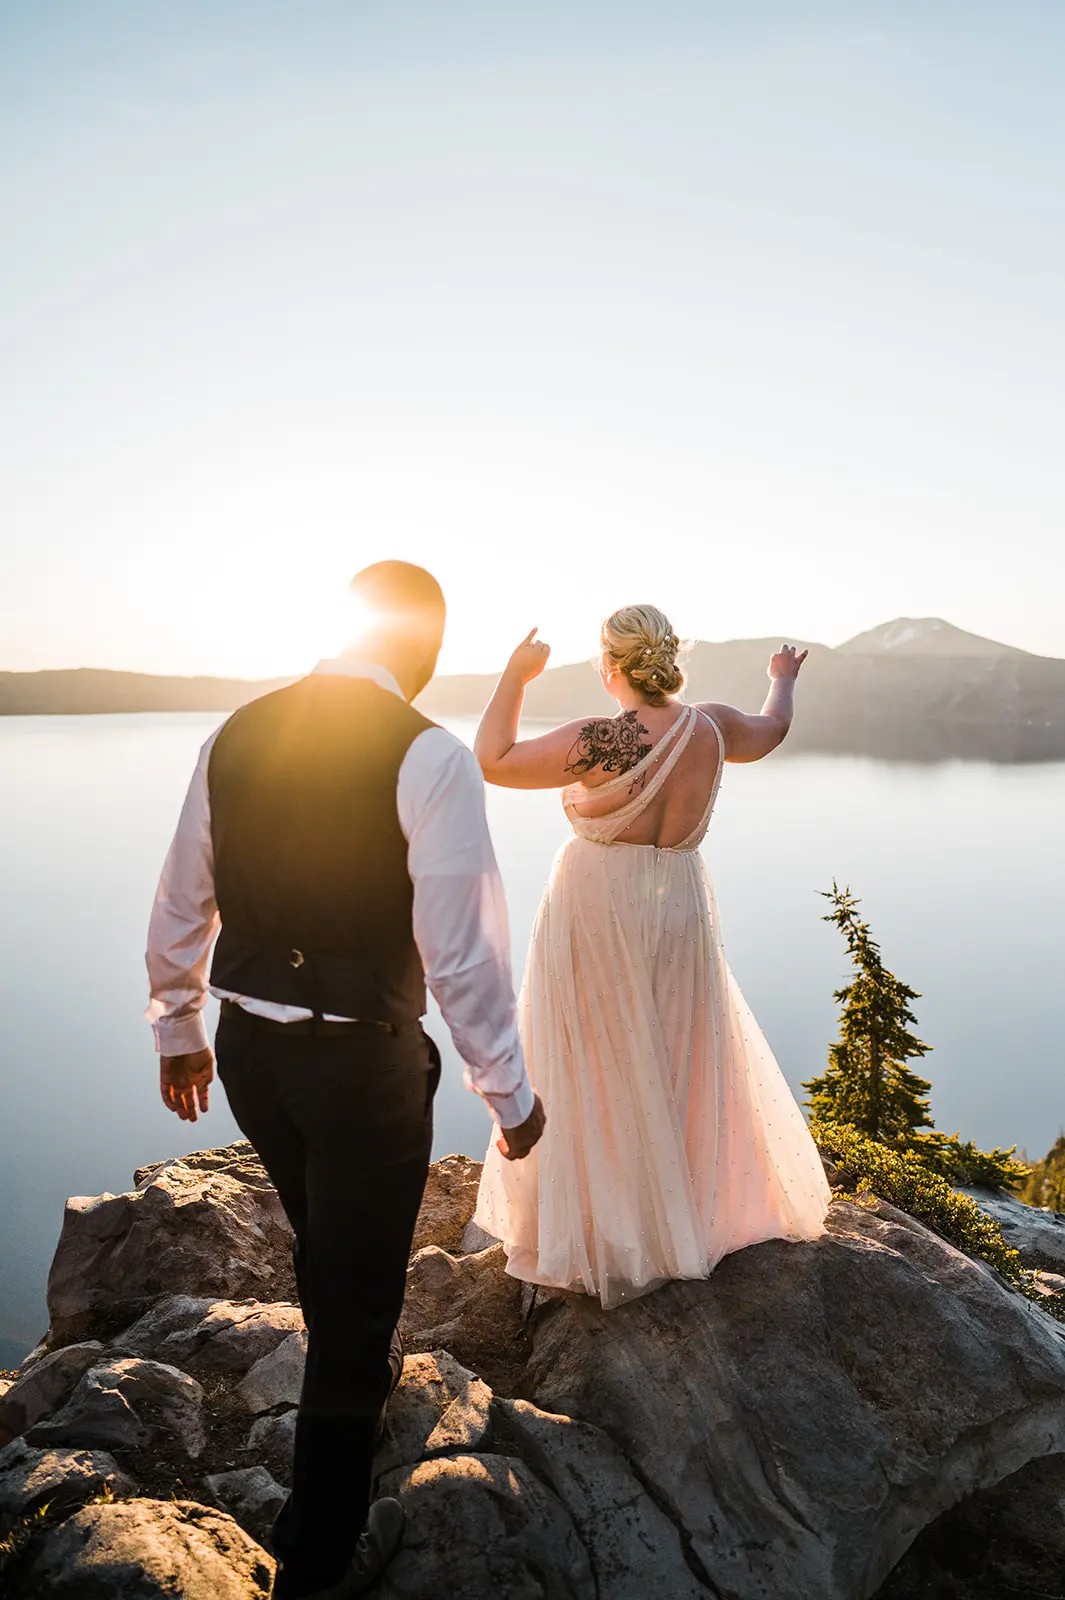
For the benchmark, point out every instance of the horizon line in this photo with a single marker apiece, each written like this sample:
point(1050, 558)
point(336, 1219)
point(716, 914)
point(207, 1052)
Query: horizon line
point(691, 645)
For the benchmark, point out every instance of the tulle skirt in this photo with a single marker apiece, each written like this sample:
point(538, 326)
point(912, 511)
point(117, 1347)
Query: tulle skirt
point(672, 1136)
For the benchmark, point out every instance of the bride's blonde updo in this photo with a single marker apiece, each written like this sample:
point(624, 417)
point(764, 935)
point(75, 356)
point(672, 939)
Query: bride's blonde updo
point(639, 642)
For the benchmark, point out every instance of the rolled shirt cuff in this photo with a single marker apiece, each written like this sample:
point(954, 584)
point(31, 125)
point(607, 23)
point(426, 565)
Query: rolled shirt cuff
point(180, 1036)
point(511, 1110)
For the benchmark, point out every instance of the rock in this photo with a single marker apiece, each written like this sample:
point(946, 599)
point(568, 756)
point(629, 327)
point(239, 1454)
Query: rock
point(148, 1550)
point(43, 1387)
point(1049, 1284)
point(32, 1478)
point(467, 1305)
point(475, 1238)
point(277, 1379)
point(187, 1230)
point(213, 1336)
point(803, 1413)
point(273, 1438)
point(237, 1160)
point(251, 1497)
point(483, 1528)
point(634, 1549)
point(448, 1203)
point(439, 1406)
point(1003, 1542)
point(38, 1353)
point(1038, 1235)
point(175, 1314)
point(128, 1403)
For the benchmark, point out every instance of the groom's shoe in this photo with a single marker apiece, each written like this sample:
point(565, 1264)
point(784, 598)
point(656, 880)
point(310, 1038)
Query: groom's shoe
point(375, 1549)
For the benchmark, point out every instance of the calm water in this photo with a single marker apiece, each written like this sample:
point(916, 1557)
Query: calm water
point(961, 868)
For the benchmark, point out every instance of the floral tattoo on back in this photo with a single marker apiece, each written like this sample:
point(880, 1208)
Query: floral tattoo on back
point(617, 744)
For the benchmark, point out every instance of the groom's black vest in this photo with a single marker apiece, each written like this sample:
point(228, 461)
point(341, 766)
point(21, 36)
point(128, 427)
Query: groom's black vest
point(310, 862)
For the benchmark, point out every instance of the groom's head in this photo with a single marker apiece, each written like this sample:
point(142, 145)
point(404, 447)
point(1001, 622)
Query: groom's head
point(402, 621)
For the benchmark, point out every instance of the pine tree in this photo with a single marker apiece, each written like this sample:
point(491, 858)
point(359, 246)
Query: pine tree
point(868, 1083)
point(869, 1088)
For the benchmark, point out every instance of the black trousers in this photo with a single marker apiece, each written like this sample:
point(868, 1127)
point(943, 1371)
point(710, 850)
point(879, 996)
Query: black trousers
point(344, 1127)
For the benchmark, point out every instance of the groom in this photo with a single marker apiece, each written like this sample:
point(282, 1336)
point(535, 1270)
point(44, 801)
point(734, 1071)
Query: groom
point(336, 842)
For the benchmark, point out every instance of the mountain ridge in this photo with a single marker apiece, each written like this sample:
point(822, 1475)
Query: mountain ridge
point(911, 689)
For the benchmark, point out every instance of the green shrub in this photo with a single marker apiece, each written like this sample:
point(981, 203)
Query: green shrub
point(902, 1177)
point(1045, 1181)
point(959, 1161)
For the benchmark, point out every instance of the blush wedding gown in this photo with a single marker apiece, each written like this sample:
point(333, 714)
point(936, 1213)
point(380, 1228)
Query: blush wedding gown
point(672, 1136)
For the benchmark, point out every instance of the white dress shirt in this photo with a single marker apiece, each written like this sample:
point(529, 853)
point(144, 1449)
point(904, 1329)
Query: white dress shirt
point(460, 915)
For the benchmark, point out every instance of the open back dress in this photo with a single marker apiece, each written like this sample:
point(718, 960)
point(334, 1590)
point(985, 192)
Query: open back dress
point(672, 1136)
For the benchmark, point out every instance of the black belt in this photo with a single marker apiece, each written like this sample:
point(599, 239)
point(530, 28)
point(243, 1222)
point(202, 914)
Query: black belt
point(320, 1027)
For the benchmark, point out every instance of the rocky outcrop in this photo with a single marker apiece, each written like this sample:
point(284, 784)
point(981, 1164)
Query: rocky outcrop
point(484, 1525)
point(148, 1550)
point(214, 1336)
point(634, 1550)
point(189, 1228)
point(808, 1424)
point(1036, 1233)
point(128, 1403)
point(808, 1410)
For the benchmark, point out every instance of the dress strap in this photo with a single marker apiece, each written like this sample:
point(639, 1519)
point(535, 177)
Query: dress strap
point(701, 826)
point(626, 812)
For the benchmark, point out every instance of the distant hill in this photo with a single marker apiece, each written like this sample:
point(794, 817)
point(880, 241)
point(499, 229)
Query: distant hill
point(913, 689)
point(94, 689)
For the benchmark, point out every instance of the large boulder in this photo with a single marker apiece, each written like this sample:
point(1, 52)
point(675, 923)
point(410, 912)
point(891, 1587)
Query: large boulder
point(448, 1203)
point(211, 1335)
point(148, 1550)
point(633, 1548)
point(188, 1229)
point(438, 1407)
point(470, 1306)
point(128, 1403)
point(277, 1379)
point(30, 1479)
point(43, 1387)
point(803, 1413)
point(484, 1528)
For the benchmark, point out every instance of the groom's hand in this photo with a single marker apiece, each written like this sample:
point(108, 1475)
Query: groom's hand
point(517, 1142)
point(184, 1081)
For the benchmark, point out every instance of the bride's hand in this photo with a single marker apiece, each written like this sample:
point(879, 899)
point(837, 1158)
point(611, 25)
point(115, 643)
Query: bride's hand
point(530, 658)
point(786, 662)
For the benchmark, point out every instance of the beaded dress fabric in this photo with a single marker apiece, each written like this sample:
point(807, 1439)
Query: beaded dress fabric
point(672, 1136)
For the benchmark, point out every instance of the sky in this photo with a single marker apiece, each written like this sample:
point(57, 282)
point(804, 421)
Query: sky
point(749, 310)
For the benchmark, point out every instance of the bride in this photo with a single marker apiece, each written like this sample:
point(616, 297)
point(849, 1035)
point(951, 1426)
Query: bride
point(672, 1137)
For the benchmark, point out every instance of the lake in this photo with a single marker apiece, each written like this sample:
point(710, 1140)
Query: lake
point(960, 867)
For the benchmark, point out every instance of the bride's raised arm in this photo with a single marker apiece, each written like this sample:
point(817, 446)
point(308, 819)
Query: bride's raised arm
point(749, 736)
point(548, 762)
